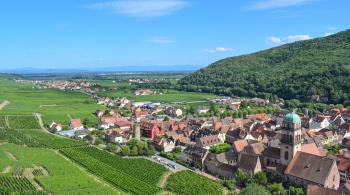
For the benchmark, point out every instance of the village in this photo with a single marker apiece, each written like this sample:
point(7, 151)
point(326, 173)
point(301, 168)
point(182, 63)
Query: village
point(291, 148)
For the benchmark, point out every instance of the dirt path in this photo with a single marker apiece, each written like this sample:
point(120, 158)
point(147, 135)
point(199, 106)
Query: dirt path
point(165, 179)
point(7, 169)
point(3, 104)
point(47, 105)
point(41, 122)
point(11, 156)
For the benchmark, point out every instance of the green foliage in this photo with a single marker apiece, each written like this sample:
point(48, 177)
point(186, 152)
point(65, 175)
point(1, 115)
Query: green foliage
point(134, 151)
point(177, 149)
point(296, 191)
point(240, 177)
point(125, 150)
point(18, 137)
point(276, 189)
point(166, 118)
point(86, 121)
point(229, 185)
point(3, 121)
point(325, 146)
point(254, 188)
point(116, 177)
point(111, 147)
point(190, 183)
point(18, 184)
point(291, 71)
point(334, 149)
point(23, 122)
point(98, 141)
point(260, 178)
point(135, 167)
point(220, 148)
point(167, 155)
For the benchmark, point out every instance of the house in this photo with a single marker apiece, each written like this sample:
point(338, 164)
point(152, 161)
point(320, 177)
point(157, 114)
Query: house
point(168, 145)
point(51, 123)
point(113, 136)
point(223, 164)
point(142, 92)
point(149, 130)
point(316, 189)
point(124, 125)
point(271, 155)
point(100, 113)
point(75, 124)
point(81, 133)
point(56, 127)
point(208, 141)
point(103, 100)
point(195, 155)
point(259, 101)
point(202, 109)
point(322, 120)
point(239, 145)
point(249, 163)
point(307, 169)
point(173, 112)
point(344, 169)
point(140, 115)
point(345, 188)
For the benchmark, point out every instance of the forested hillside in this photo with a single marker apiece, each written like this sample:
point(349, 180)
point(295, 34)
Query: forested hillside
point(5, 76)
point(292, 71)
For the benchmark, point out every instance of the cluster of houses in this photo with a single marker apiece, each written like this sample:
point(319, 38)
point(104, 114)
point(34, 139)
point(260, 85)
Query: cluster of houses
point(288, 144)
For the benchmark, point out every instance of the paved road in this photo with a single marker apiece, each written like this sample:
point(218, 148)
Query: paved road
point(178, 166)
point(3, 104)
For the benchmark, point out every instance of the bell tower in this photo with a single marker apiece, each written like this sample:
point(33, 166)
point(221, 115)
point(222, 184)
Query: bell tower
point(291, 137)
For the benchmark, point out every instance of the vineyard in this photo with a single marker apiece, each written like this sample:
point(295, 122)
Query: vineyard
point(139, 168)
point(37, 172)
point(18, 184)
point(190, 183)
point(52, 141)
point(3, 121)
point(120, 179)
point(23, 122)
point(59, 175)
point(18, 137)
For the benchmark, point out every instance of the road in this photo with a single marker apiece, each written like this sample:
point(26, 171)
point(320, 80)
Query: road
point(3, 104)
point(41, 123)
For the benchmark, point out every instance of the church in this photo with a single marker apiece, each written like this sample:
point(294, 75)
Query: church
point(299, 162)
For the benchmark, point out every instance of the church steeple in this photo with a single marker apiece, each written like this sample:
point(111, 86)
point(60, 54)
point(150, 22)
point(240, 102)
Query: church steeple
point(291, 137)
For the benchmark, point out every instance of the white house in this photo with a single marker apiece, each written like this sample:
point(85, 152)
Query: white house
point(202, 109)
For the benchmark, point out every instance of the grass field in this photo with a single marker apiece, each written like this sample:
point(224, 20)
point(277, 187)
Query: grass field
point(64, 177)
point(26, 99)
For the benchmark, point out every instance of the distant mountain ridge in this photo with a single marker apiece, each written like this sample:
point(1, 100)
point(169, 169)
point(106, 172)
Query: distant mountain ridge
point(292, 71)
point(99, 69)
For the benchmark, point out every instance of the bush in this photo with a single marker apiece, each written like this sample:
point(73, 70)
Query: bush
point(167, 155)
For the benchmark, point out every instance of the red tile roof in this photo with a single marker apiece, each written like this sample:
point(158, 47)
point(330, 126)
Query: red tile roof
point(344, 164)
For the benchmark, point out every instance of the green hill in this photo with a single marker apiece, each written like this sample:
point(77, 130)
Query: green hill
point(292, 71)
point(5, 76)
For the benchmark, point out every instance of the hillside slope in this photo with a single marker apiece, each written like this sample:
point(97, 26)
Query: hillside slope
point(5, 76)
point(296, 70)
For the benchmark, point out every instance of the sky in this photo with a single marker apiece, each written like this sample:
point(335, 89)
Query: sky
point(96, 33)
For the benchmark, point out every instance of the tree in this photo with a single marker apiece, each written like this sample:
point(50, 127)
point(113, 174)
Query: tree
point(86, 121)
point(191, 110)
point(125, 150)
point(240, 176)
point(212, 107)
point(151, 150)
point(166, 118)
point(229, 185)
point(260, 178)
point(133, 142)
point(276, 189)
point(111, 147)
point(134, 151)
point(177, 149)
point(244, 104)
point(254, 189)
point(339, 106)
point(98, 141)
point(296, 191)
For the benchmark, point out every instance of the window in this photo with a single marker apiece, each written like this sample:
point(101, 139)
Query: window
point(290, 138)
point(286, 155)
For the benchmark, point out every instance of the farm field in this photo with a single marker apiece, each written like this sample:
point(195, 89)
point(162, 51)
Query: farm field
point(117, 178)
point(23, 122)
point(25, 100)
point(64, 177)
point(190, 183)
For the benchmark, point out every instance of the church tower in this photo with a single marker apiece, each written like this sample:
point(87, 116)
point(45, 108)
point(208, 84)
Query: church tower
point(291, 137)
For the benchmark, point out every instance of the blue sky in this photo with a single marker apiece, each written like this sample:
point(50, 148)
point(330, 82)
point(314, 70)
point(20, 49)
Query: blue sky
point(95, 33)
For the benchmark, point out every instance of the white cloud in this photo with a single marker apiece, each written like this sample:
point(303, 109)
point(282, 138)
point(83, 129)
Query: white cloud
point(327, 34)
point(330, 28)
point(159, 40)
point(293, 38)
point(140, 60)
point(100, 59)
point(270, 4)
point(208, 51)
point(223, 49)
point(273, 41)
point(200, 58)
point(289, 39)
point(138, 8)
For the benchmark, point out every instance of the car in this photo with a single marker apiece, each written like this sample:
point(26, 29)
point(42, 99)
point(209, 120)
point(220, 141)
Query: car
point(165, 162)
point(153, 157)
